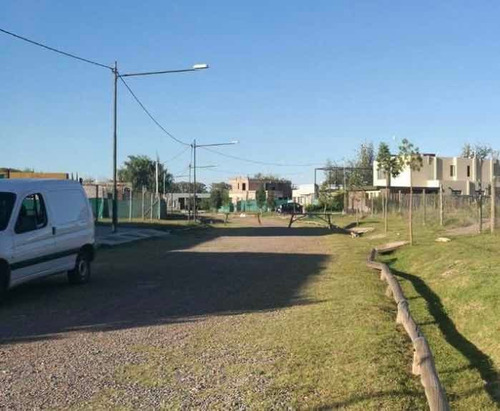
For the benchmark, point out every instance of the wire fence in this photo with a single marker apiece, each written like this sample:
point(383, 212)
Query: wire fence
point(442, 209)
point(138, 205)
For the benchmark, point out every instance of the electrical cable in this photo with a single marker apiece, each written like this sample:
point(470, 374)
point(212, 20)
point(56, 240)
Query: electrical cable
point(151, 116)
point(255, 161)
point(55, 50)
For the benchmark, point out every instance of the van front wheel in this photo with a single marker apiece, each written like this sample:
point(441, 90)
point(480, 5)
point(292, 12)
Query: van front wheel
point(81, 273)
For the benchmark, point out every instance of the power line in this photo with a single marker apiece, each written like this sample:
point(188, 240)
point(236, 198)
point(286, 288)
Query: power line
point(258, 162)
point(151, 116)
point(180, 153)
point(55, 50)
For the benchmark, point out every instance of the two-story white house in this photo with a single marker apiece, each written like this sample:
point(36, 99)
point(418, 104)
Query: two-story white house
point(456, 174)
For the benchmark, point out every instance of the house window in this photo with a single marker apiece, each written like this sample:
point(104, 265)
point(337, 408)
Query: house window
point(452, 171)
point(32, 215)
point(244, 186)
point(238, 186)
point(380, 174)
point(468, 171)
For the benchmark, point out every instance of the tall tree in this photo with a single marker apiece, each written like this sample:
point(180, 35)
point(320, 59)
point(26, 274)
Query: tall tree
point(409, 156)
point(479, 151)
point(391, 167)
point(141, 172)
point(361, 174)
point(260, 197)
point(186, 187)
point(219, 195)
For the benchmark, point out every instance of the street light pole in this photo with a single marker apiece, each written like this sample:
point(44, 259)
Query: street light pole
point(195, 146)
point(196, 67)
point(115, 189)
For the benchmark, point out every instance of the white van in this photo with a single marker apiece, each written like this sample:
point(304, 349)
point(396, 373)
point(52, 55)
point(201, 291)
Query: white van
point(46, 227)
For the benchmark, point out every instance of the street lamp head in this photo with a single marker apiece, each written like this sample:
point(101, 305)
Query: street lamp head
point(200, 66)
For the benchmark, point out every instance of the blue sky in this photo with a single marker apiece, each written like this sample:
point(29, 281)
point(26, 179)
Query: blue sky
point(293, 81)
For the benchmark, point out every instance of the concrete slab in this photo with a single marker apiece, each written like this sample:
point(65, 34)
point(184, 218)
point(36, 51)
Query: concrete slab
point(105, 237)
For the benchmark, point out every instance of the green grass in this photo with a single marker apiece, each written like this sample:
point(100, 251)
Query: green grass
point(342, 349)
point(453, 291)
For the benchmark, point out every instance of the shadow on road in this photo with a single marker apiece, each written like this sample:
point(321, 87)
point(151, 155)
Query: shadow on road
point(150, 283)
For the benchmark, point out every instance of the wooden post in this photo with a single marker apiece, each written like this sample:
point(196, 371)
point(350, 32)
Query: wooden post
point(426, 368)
point(441, 205)
point(493, 205)
point(399, 201)
point(143, 205)
point(373, 211)
point(424, 199)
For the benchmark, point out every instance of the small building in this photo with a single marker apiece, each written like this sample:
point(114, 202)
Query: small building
point(181, 201)
point(105, 190)
point(304, 194)
point(244, 188)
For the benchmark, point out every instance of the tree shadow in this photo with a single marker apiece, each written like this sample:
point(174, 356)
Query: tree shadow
point(477, 359)
point(150, 283)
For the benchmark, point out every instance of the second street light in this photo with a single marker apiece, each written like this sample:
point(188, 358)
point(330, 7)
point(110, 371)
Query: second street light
point(117, 76)
point(195, 146)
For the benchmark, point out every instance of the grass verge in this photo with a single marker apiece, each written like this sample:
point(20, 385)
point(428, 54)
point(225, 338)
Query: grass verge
point(453, 291)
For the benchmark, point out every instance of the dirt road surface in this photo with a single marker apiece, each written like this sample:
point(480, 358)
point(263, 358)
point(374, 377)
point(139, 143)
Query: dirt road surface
point(243, 316)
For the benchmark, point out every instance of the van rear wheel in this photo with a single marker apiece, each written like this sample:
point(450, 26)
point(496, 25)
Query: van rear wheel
point(81, 273)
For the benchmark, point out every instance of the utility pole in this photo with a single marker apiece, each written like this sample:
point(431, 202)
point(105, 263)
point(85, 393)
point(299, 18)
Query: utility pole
point(114, 222)
point(194, 146)
point(190, 193)
point(194, 180)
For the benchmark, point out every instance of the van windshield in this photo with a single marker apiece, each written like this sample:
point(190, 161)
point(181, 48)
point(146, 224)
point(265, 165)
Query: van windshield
point(7, 201)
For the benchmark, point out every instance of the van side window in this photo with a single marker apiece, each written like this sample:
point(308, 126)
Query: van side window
point(32, 215)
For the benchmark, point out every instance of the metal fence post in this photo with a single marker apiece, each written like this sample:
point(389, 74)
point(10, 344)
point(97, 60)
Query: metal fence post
point(143, 195)
point(151, 208)
point(493, 204)
point(130, 206)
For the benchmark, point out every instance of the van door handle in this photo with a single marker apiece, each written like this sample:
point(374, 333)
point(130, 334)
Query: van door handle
point(54, 231)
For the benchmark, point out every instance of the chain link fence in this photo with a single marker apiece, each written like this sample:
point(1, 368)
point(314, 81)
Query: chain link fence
point(442, 209)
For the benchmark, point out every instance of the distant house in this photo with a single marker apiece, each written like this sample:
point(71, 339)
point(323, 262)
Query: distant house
point(105, 190)
point(181, 201)
point(304, 194)
point(457, 175)
point(244, 188)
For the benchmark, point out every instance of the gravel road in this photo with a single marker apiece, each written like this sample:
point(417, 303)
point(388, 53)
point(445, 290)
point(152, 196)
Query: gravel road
point(64, 346)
